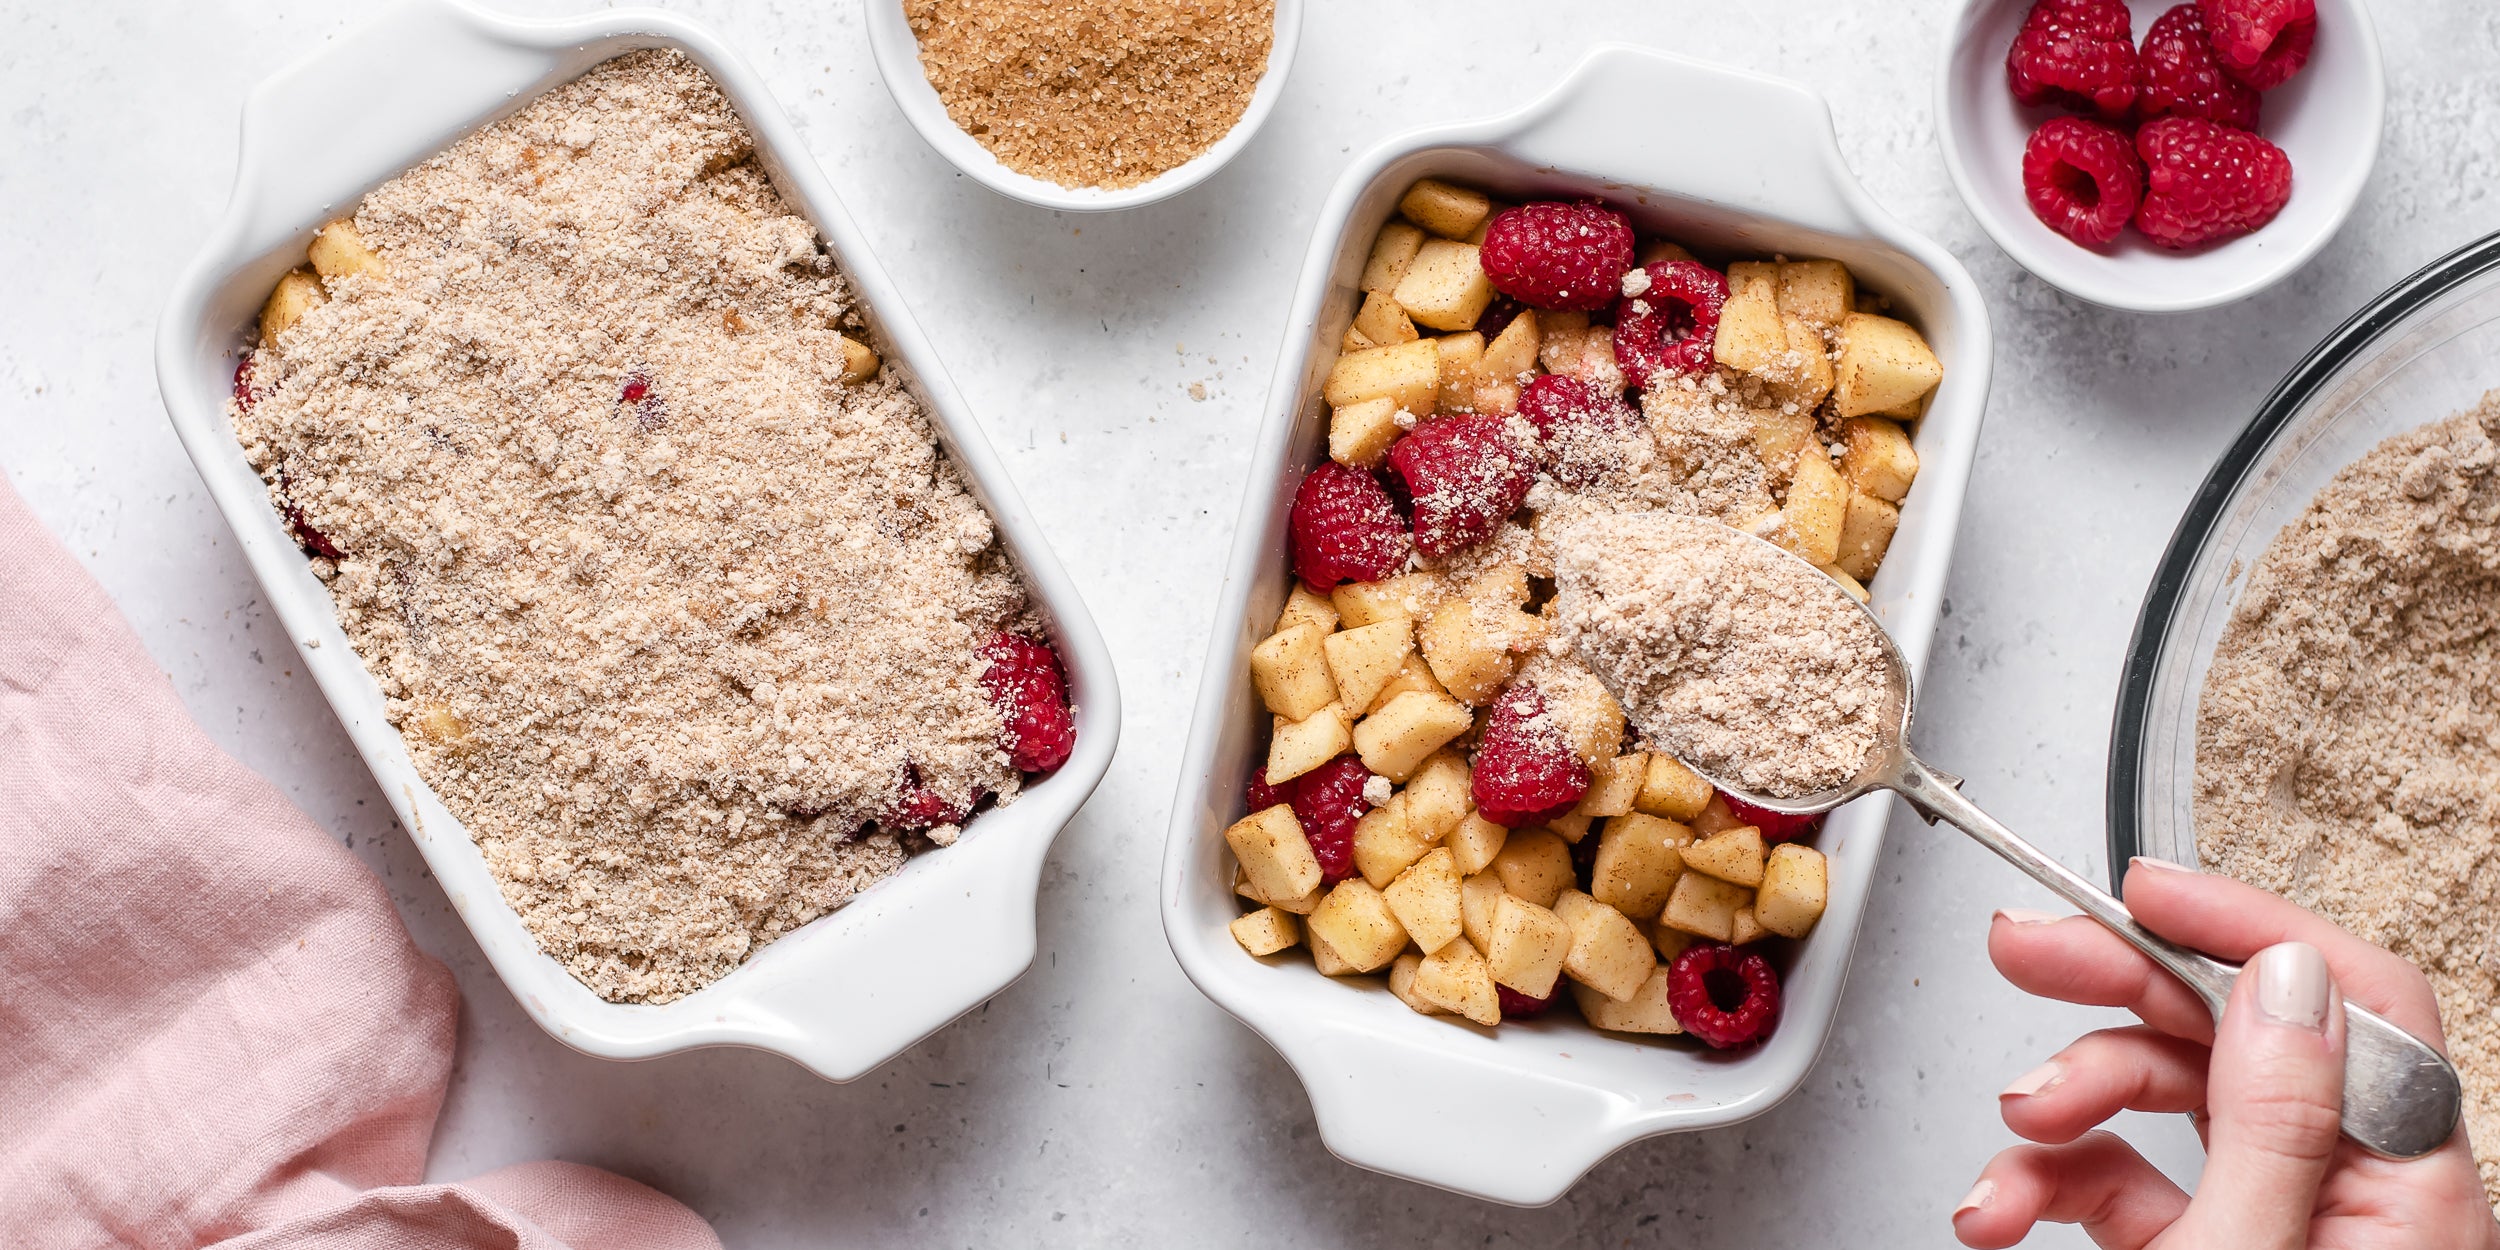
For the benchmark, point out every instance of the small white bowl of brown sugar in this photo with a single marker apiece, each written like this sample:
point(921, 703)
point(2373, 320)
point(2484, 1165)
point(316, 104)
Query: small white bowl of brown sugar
point(1085, 105)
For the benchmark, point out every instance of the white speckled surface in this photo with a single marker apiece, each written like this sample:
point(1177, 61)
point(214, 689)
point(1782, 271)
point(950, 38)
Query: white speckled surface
point(1101, 1101)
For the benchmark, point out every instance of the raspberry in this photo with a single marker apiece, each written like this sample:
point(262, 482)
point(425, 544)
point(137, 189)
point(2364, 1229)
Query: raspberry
point(1577, 425)
point(1555, 255)
point(639, 399)
point(1584, 862)
point(1526, 772)
point(1497, 317)
point(1724, 996)
point(244, 394)
point(1516, 1005)
point(2180, 76)
point(918, 807)
point(1465, 473)
point(1345, 528)
point(1263, 796)
point(2205, 182)
point(313, 541)
point(1024, 682)
point(1328, 800)
point(2082, 179)
point(2075, 52)
point(1775, 826)
point(2261, 42)
point(1668, 329)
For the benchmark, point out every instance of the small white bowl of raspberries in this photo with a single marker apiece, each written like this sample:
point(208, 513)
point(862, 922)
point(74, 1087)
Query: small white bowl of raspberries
point(2161, 157)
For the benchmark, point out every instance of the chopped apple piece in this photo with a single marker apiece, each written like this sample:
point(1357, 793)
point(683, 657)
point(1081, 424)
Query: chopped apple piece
point(1608, 952)
point(1746, 278)
point(1794, 884)
point(1451, 211)
point(1267, 931)
point(1704, 906)
point(1570, 826)
point(1359, 435)
point(1357, 924)
point(1750, 338)
point(1296, 747)
point(297, 293)
point(1512, 352)
point(1290, 671)
point(1445, 288)
point(1303, 607)
point(1414, 674)
point(1668, 941)
point(1384, 845)
point(1883, 364)
point(1819, 291)
point(1457, 979)
point(1613, 785)
point(339, 251)
point(1672, 790)
point(1810, 377)
point(1437, 797)
point(1778, 435)
point(1402, 983)
point(1877, 458)
point(1361, 661)
point(1300, 905)
point(1657, 250)
point(1383, 322)
point(1529, 946)
point(1535, 865)
point(1716, 817)
point(1638, 859)
point(1397, 739)
point(1461, 354)
point(1473, 646)
point(1425, 898)
point(1744, 929)
point(1735, 856)
point(1325, 957)
point(1856, 589)
point(1866, 529)
point(859, 361)
point(1354, 340)
point(1476, 897)
point(1818, 501)
point(1406, 374)
point(1393, 249)
point(1369, 603)
point(1274, 854)
point(1647, 1011)
point(1474, 843)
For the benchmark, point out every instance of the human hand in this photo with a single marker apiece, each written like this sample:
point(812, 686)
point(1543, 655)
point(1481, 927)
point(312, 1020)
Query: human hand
point(2265, 1088)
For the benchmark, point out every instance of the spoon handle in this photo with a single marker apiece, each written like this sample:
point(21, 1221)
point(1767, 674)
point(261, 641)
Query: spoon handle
point(2402, 1098)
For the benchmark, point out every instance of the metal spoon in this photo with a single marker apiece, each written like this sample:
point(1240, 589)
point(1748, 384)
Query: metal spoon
point(2401, 1097)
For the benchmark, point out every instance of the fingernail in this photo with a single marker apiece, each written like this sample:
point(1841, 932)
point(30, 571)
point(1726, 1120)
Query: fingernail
point(2292, 985)
point(2158, 865)
point(2036, 1080)
point(2024, 915)
point(1978, 1198)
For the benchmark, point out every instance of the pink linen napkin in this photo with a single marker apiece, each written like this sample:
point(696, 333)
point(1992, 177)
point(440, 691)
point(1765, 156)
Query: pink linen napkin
point(212, 1025)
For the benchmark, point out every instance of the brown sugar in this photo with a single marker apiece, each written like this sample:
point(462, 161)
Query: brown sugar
point(1094, 93)
point(2348, 735)
point(669, 613)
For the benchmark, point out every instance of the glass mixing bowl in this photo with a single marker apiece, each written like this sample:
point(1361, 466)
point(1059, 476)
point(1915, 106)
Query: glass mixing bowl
point(2427, 348)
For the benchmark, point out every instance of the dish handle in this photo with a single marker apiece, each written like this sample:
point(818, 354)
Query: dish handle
point(1761, 146)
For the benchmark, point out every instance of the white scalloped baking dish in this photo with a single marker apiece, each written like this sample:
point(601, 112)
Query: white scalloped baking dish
point(1517, 1114)
point(843, 994)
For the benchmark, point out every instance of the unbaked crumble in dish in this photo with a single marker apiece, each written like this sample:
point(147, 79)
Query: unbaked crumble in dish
point(666, 582)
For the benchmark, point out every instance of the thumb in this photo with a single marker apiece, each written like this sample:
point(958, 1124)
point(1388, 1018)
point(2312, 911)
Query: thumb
point(2275, 1096)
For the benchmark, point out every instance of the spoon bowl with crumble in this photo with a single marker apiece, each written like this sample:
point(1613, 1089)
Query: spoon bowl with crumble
point(1766, 677)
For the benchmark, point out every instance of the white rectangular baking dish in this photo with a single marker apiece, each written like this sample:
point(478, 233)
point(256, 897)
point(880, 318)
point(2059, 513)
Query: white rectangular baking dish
point(854, 988)
point(1519, 1113)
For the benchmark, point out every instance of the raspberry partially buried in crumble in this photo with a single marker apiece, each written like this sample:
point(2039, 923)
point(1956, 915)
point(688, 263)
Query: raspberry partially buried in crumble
point(244, 394)
point(1725, 996)
point(639, 399)
point(1466, 474)
point(1025, 683)
point(1554, 255)
point(2204, 183)
point(2261, 42)
point(1526, 772)
point(1668, 330)
point(2181, 77)
point(2075, 52)
point(1345, 528)
point(1578, 425)
point(918, 808)
point(2082, 179)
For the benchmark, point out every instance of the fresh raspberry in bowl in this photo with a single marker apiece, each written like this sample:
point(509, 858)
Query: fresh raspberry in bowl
point(1464, 474)
point(1345, 528)
point(1025, 683)
point(2204, 183)
point(1669, 329)
point(1775, 826)
point(2182, 77)
point(1328, 800)
point(2075, 53)
point(2261, 42)
point(1518, 1006)
point(1526, 772)
point(918, 808)
point(2082, 179)
point(1549, 254)
point(1724, 995)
